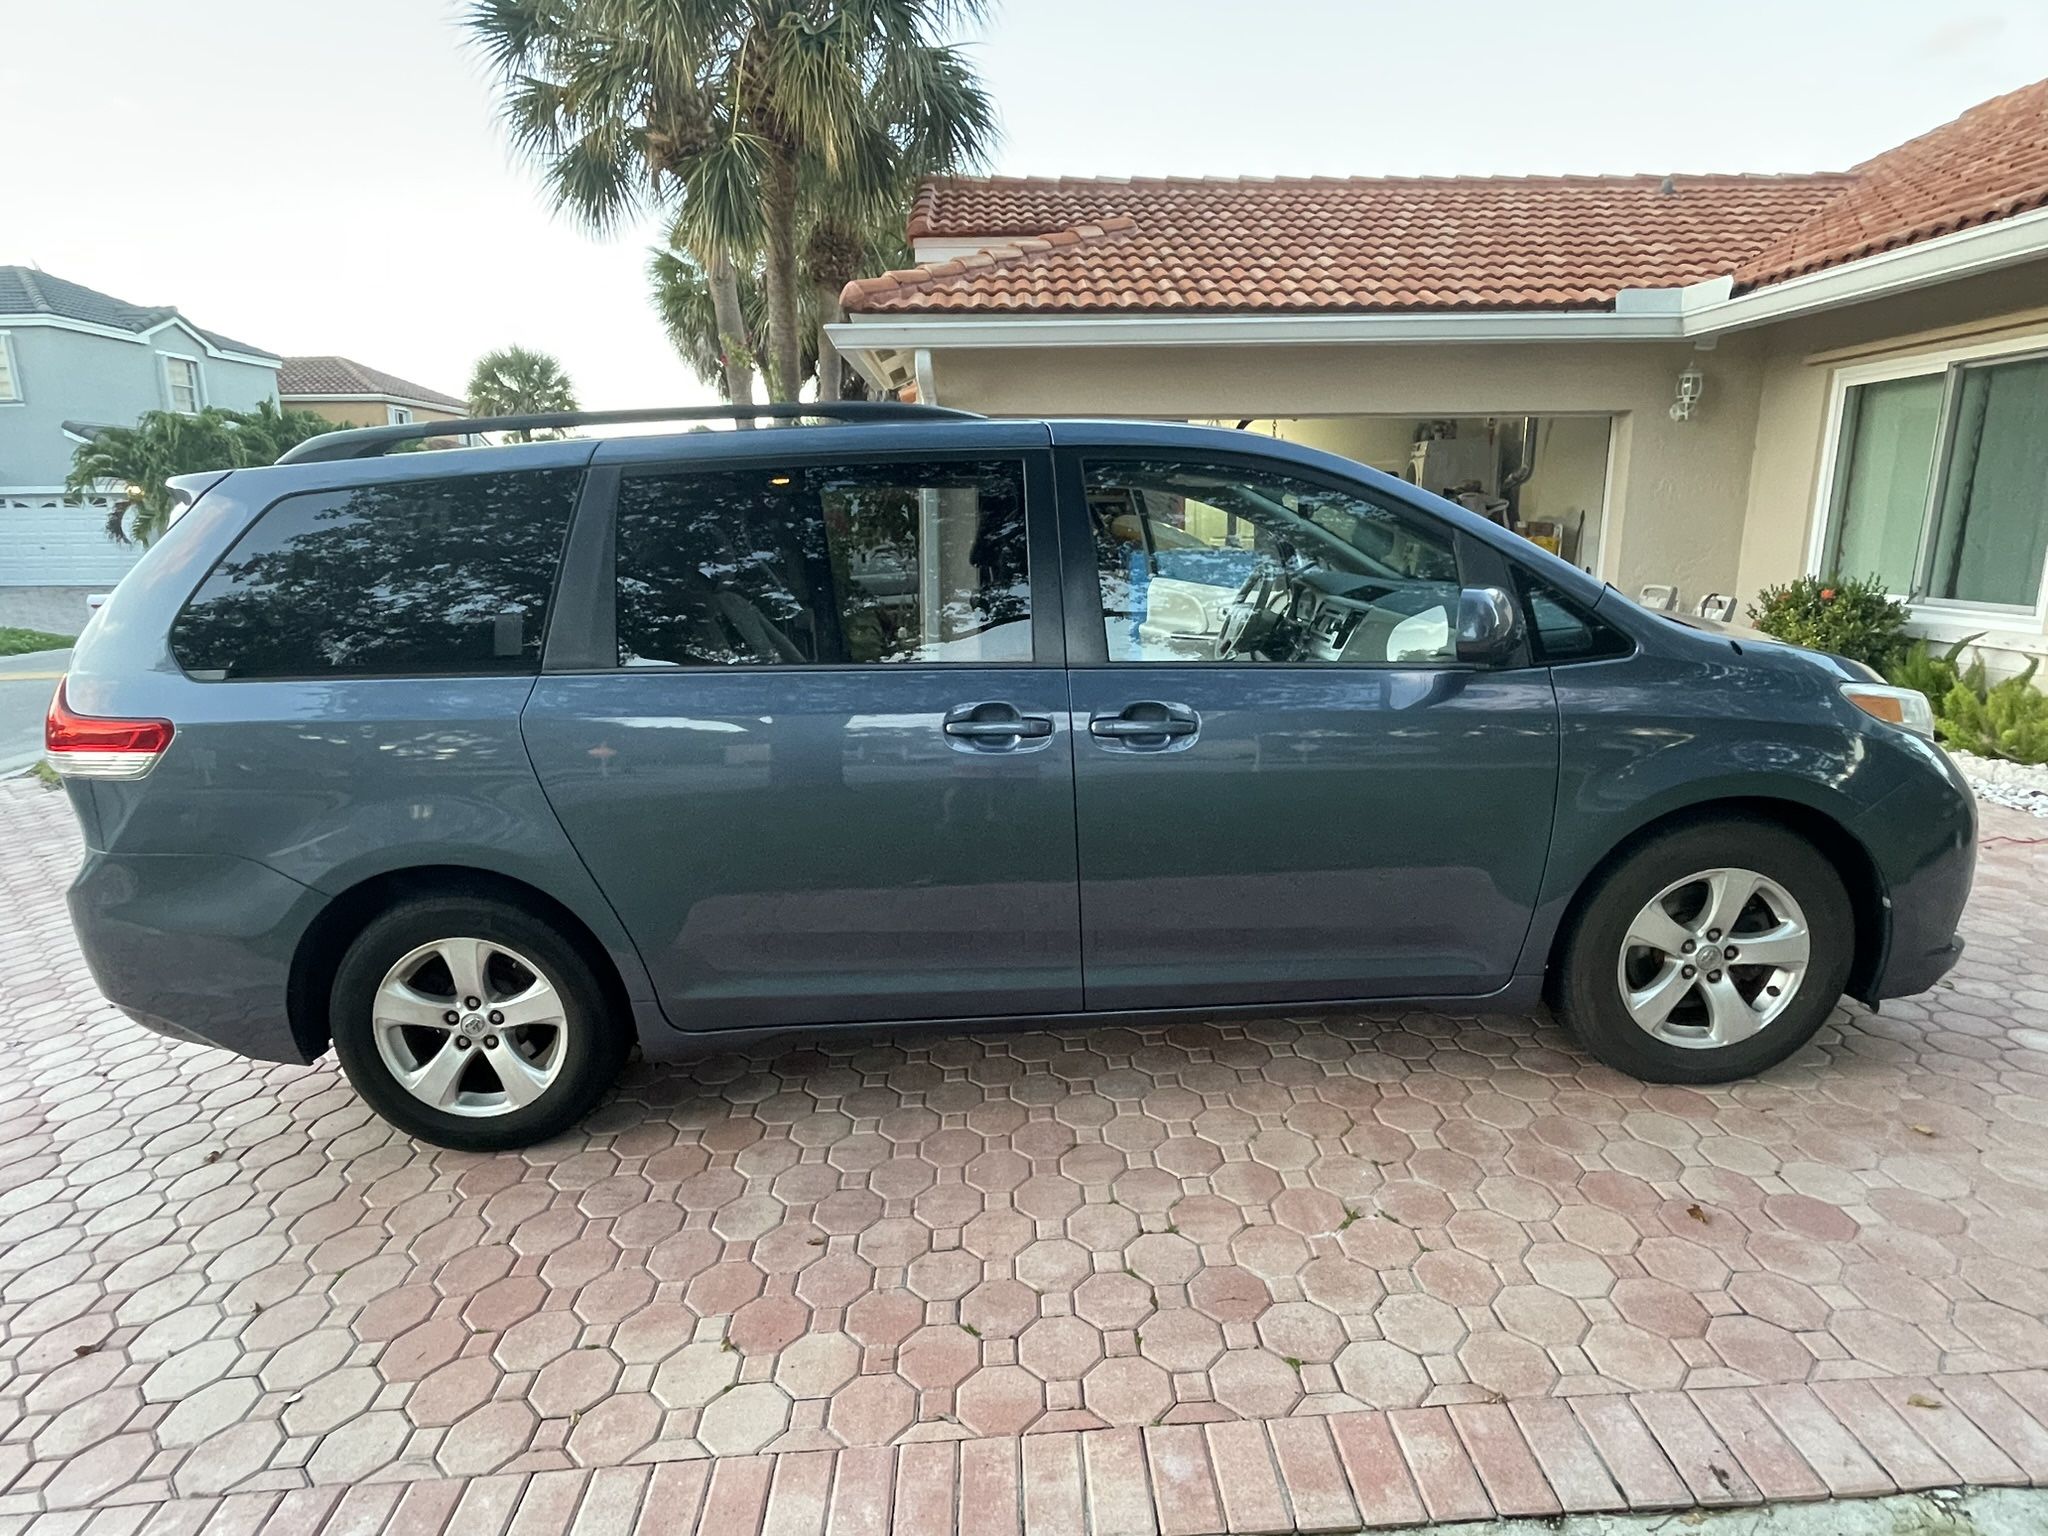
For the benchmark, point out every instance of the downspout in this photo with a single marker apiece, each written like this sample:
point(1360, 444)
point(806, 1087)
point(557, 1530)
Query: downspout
point(921, 371)
point(1519, 475)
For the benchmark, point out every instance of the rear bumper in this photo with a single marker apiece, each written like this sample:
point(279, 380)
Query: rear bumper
point(197, 947)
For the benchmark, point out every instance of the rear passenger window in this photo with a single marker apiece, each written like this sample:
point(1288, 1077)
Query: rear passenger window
point(449, 575)
point(907, 563)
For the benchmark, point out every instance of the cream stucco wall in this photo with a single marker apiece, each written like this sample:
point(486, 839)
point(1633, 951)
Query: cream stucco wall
point(1795, 380)
point(363, 413)
point(1679, 488)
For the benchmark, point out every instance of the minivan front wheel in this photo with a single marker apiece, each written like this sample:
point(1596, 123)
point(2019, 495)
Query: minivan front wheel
point(1712, 952)
point(473, 1024)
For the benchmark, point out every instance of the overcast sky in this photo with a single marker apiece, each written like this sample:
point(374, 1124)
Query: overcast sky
point(331, 178)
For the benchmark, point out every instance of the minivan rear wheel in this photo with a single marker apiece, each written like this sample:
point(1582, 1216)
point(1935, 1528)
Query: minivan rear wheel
point(472, 1023)
point(1711, 952)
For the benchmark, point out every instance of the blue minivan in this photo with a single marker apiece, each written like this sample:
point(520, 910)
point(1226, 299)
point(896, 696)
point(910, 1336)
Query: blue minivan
point(485, 765)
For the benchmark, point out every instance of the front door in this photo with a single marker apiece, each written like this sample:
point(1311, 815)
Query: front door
point(1287, 787)
point(822, 768)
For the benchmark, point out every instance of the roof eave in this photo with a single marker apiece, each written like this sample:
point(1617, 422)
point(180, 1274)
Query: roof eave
point(1697, 310)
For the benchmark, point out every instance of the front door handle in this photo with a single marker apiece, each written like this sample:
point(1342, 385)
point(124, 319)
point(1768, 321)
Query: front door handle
point(993, 727)
point(1149, 726)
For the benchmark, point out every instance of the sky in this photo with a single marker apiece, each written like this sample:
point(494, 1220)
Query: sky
point(333, 178)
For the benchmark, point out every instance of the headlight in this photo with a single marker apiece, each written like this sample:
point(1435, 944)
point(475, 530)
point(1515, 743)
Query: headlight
point(1906, 708)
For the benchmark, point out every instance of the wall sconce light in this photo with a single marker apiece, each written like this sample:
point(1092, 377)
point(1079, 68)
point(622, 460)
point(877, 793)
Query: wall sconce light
point(1691, 385)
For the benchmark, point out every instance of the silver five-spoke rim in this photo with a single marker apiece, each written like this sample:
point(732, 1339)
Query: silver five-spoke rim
point(470, 1027)
point(1713, 958)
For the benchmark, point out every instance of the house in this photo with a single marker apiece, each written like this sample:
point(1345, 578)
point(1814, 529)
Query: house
point(351, 395)
point(73, 360)
point(1709, 383)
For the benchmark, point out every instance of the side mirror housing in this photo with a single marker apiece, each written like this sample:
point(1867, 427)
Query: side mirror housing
point(1489, 625)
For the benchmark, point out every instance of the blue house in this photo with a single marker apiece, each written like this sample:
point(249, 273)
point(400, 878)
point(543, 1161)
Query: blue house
point(73, 360)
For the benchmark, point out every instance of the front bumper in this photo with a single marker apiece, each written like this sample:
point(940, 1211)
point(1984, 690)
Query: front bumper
point(197, 947)
point(1923, 836)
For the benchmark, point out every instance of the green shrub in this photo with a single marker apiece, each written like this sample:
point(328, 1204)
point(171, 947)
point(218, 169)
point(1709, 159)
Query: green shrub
point(1971, 713)
point(1850, 617)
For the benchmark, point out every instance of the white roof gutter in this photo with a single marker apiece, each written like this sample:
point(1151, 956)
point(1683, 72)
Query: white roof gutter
point(1698, 310)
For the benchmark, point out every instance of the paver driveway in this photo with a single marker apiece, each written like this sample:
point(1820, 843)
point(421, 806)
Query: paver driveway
point(223, 1278)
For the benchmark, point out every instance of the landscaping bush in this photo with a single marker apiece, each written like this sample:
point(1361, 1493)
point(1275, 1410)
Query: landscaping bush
point(1846, 617)
point(1971, 713)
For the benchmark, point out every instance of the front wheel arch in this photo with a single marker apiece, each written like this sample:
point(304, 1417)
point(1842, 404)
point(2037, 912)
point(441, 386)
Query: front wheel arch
point(1836, 842)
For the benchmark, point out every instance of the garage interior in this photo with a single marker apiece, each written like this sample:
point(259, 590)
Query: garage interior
point(1545, 477)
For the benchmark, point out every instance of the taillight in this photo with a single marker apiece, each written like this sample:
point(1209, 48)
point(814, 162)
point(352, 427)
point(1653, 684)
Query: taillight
point(95, 747)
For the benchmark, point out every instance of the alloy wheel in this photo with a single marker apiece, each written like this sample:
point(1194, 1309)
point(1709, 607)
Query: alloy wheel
point(1713, 958)
point(470, 1027)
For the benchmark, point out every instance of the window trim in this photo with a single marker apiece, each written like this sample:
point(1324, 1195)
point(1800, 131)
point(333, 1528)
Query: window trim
point(11, 358)
point(1949, 364)
point(1087, 638)
point(591, 562)
point(397, 415)
point(164, 361)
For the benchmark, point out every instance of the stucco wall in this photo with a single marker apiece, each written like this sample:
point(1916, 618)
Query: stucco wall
point(67, 375)
point(1795, 375)
point(363, 413)
point(1680, 488)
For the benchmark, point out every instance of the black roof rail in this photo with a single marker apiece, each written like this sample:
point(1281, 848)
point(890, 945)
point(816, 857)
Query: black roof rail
point(369, 442)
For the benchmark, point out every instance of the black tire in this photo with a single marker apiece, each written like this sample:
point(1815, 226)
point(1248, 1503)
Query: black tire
point(593, 1042)
point(1589, 990)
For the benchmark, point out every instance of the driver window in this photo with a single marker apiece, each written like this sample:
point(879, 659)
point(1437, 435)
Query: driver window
point(1209, 563)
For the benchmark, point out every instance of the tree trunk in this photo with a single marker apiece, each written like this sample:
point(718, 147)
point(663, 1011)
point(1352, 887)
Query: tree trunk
point(830, 373)
point(785, 346)
point(735, 347)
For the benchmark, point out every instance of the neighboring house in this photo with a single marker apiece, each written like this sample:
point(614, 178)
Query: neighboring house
point(73, 360)
point(351, 395)
point(1726, 380)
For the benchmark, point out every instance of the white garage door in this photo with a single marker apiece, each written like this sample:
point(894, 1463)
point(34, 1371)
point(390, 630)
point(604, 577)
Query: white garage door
point(44, 543)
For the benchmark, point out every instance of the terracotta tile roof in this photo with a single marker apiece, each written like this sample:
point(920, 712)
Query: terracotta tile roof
point(303, 376)
point(1563, 242)
point(1075, 245)
point(1990, 163)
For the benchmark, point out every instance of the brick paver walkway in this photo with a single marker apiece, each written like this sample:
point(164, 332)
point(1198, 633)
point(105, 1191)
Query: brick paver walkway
point(1250, 1277)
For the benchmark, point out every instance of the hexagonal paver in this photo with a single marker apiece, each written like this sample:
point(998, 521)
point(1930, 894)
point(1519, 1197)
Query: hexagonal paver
point(220, 1274)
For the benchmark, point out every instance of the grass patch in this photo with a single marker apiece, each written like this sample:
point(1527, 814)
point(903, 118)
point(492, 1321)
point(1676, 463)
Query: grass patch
point(19, 642)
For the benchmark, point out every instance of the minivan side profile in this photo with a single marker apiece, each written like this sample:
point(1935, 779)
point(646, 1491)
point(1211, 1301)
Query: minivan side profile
point(483, 766)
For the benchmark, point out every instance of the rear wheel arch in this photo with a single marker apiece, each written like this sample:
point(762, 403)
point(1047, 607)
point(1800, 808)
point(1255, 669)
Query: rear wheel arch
point(320, 950)
point(1841, 847)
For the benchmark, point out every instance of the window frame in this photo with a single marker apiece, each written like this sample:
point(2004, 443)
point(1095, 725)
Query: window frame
point(10, 360)
point(589, 589)
point(164, 361)
point(1479, 564)
point(1949, 364)
point(398, 415)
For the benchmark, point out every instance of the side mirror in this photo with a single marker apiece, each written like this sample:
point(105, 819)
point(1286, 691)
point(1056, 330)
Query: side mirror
point(1489, 624)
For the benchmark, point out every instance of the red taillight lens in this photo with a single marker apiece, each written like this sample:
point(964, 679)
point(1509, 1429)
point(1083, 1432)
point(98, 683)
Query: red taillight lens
point(95, 747)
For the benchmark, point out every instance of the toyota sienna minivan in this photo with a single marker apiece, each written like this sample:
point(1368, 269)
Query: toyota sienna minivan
point(484, 765)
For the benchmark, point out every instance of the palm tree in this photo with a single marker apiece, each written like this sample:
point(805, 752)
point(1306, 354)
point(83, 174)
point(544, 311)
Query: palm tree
point(516, 381)
point(616, 128)
point(750, 107)
point(683, 297)
point(137, 460)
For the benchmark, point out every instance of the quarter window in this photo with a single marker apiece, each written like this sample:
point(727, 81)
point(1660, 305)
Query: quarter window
point(1941, 484)
point(1210, 563)
point(415, 577)
point(181, 384)
point(884, 563)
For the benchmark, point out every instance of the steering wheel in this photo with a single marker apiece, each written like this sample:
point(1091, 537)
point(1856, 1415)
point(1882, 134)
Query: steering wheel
point(1250, 603)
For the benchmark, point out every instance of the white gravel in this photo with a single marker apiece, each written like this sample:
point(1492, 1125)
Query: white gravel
point(2022, 786)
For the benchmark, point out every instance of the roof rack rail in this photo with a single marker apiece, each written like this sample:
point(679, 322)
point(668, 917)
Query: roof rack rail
point(369, 442)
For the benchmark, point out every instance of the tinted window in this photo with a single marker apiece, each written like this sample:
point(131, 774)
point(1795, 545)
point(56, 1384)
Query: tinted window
point(1209, 563)
point(1561, 631)
point(920, 562)
point(420, 576)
